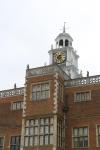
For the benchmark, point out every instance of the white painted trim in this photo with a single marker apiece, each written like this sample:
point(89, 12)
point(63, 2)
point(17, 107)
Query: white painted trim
point(84, 91)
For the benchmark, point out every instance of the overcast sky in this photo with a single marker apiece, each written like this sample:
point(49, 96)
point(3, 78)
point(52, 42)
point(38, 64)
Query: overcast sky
point(29, 27)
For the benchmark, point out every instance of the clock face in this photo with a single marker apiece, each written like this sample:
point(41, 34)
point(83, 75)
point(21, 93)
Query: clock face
point(59, 57)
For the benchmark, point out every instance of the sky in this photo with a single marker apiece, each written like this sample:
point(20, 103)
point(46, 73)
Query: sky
point(29, 27)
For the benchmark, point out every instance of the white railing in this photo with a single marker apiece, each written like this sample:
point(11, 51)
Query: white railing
point(12, 92)
point(83, 81)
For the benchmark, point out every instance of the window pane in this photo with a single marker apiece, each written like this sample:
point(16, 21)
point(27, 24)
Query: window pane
point(47, 86)
point(40, 91)
point(38, 87)
point(34, 89)
point(80, 137)
point(51, 129)
point(34, 96)
point(15, 143)
point(43, 96)
point(98, 130)
point(46, 139)
point(35, 140)
point(31, 122)
point(14, 106)
point(81, 142)
point(41, 121)
point(31, 131)
point(85, 131)
point(39, 131)
point(1, 141)
point(88, 95)
point(38, 95)
point(46, 94)
point(85, 142)
point(75, 132)
point(18, 105)
point(43, 87)
point(26, 141)
point(26, 131)
point(99, 140)
point(41, 140)
point(17, 140)
point(82, 96)
point(80, 131)
point(46, 120)
point(42, 130)
point(13, 140)
point(27, 123)
point(36, 121)
point(35, 130)
point(31, 141)
point(46, 129)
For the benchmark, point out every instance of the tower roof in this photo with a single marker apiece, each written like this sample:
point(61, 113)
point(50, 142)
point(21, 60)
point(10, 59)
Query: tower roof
point(64, 35)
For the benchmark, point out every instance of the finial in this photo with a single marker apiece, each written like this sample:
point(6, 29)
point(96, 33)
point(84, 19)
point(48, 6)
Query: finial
point(27, 67)
point(64, 29)
point(14, 85)
point(87, 73)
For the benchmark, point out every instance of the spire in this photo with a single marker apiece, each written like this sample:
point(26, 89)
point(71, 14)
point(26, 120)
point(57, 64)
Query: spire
point(64, 28)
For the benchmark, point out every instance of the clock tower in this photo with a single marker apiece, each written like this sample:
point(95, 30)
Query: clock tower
point(64, 54)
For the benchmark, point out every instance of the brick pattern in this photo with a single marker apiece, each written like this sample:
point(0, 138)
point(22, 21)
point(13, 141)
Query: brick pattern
point(85, 113)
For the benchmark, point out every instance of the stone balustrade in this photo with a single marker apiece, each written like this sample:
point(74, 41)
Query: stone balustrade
point(45, 70)
point(83, 81)
point(12, 92)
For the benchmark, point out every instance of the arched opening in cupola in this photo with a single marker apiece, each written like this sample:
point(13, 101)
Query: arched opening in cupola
point(66, 42)
point(61, 42)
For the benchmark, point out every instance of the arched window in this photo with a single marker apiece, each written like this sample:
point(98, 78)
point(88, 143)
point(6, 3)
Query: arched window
point(61, 43)
point(66, 42)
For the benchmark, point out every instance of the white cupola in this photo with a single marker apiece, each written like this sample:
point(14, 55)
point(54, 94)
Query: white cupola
point(64, 54)
point(63, 39)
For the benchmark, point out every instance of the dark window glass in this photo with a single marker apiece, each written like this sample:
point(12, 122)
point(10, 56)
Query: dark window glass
point(1, 143)
point(66, 42)
point(61, 43)
point(15, 143)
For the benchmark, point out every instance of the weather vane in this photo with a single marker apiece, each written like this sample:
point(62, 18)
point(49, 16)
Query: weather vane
point(64, 28)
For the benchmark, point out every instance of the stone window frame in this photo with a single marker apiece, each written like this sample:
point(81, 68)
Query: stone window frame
point(3, 141)
point(48, 135)
point(85, 97)
point(77, 127)
point(40, 83)
point(14, 108)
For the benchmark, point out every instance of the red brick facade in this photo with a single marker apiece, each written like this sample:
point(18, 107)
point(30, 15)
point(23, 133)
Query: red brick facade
point(67, 113)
